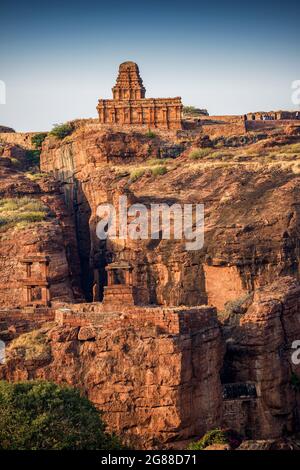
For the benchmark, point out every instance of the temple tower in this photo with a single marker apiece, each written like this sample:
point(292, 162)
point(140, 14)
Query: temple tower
point(129, 107)
point(129, 85)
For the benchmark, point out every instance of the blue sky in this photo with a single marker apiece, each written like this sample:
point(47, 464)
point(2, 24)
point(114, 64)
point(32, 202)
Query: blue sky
point(229, 57)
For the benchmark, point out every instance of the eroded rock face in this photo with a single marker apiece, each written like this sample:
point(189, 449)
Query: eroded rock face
point(157, 388)
point(289, 443)
point(251, 218)
point(55, 236)
point(259, 351)
point(92, 146)
point(155, 372)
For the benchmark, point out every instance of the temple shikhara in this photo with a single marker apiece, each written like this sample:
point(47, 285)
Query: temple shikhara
point(130, 107)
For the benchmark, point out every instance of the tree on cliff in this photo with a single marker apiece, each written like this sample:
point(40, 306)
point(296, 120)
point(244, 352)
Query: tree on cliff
point(42, 415)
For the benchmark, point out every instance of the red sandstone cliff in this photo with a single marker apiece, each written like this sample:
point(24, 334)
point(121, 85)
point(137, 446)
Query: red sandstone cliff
point(251, 212)
point(161, 387)
point(153, 372)
point(34, 219)
point(259, 343)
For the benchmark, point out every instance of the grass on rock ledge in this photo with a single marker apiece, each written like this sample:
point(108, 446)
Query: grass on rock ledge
point(137, 173)
point(35, 176)
point(31, 346)
point(21, 212)
point(276, 158)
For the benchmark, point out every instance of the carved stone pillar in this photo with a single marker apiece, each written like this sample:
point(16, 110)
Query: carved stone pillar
point(164, 116)
point(113, 115)
point(140, 112)
point(28, 269)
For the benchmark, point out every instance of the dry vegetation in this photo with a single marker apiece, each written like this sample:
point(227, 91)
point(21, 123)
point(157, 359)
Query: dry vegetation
point(285, 157)
point(254, 157)
point(31, 346)
point(19, 212)
point(35, 176)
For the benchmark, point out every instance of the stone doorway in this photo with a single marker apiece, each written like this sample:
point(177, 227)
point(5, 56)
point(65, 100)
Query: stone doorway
point(35, 284)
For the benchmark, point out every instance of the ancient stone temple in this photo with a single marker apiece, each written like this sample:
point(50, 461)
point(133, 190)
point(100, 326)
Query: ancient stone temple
point(120, 288)
point(35, 283)
point(130, 107)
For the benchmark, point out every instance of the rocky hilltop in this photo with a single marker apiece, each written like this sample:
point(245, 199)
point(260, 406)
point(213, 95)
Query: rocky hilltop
point(250, 193)
point(208, 342)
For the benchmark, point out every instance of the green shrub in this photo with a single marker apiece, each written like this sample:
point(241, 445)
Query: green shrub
point(9, 205)
point(33, 157)
point(13, 219)
point(22, 204)
point(159, 170)
point(136, 174)
point(217, 436)
point(62, 130)
point(38, 139)
point(193, 111)
point(150, 134)
point(42, 415)
point(30, 216)
point(196, 154)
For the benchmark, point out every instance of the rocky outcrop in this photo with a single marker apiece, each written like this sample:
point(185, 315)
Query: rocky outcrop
point(11, 156)
point(21, 235)
point(251, 217)
point(287, 443)
point(156, 372)
point(153, 372)
point(259, 351)
point(4, 129)
point(91, 146)
point(20, 139)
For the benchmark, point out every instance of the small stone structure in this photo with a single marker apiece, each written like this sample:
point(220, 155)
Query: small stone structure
point(272, 115)
point(130, 107)
point(119, 289)
point(240, 407)
point(239, 390)
point(35, 284)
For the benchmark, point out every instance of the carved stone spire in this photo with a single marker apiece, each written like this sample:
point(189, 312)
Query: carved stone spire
point(130, 107)
point(129, 84)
